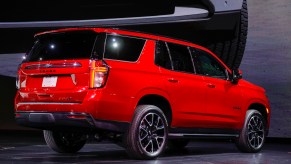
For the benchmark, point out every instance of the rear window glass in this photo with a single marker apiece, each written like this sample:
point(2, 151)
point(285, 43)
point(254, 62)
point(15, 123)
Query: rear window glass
point(59, 46)
point(162, 57)
point(123, 48)
point(181, 58)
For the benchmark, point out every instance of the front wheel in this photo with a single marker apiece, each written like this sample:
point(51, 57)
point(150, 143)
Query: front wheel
point(65, 142)
point(253, 135)
point(148, 133)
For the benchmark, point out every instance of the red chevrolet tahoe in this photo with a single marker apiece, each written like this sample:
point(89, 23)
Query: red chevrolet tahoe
point(147, 91)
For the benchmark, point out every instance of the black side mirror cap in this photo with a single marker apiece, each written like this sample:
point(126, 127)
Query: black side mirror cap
point(235, 76)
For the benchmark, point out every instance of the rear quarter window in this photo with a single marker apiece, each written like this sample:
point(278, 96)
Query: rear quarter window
point(162, 56)
point(123, 48)
point(181, 58)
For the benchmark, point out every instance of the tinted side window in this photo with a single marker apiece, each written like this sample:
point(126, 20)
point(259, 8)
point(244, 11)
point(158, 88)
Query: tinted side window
point(123, 48)
point(99, 46)
point(162, 57)
point(207, 65)
point(181, 58)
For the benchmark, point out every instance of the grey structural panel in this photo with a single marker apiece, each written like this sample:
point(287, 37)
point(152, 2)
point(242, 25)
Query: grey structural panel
point(181, 14)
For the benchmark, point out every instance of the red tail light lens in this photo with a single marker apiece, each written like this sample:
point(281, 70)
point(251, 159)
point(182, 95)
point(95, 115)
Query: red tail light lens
point(20, 79)
point(98, 73)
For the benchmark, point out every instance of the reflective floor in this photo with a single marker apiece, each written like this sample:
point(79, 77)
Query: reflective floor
point(32, 149)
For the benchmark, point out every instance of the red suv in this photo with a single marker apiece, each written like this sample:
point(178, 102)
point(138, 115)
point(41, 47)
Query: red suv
point(144, 90)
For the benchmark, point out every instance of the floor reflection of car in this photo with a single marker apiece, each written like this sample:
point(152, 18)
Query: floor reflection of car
point(144, 91)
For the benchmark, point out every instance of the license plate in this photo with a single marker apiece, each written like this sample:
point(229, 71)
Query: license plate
point(49, 81)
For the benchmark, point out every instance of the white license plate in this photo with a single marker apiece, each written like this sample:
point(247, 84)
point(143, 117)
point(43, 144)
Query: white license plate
point(49, 81)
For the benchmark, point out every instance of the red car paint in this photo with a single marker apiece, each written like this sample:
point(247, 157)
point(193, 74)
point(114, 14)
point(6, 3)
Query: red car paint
point(196, 101)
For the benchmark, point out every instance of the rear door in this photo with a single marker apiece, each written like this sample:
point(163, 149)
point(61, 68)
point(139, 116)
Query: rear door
point(186, 89)
point(57, 67)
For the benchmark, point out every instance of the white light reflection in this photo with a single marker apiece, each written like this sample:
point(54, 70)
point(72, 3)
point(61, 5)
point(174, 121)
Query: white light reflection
point(52, 46)
point(115, 45)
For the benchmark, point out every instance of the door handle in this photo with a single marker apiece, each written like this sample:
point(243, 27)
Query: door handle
point(44, 95)
point(210, 85)
point(172, 80)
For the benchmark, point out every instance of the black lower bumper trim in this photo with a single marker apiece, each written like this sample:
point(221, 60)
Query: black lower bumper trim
point(67, 122)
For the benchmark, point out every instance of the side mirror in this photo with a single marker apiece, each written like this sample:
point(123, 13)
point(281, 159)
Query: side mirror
point(235, 76)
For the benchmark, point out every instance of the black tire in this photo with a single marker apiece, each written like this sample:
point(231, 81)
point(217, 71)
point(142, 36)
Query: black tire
point(65, 142)
point(148, 133)
point(177, 143)
point(231, 51)
point(252, 136)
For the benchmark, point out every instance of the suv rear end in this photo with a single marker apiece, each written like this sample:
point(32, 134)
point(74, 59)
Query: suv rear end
point(56, 78)
point(64, 81)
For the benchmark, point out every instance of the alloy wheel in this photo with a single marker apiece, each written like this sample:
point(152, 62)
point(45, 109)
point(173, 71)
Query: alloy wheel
point(152, 133)
point(256, 132)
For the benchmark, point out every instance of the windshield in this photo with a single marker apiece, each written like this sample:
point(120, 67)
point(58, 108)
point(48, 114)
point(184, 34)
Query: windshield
point(59, 46)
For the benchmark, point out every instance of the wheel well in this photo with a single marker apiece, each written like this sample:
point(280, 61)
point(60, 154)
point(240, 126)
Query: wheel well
point(160, 102)
point(261, 108)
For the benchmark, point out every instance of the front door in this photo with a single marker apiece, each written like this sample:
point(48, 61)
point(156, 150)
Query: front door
point(223, 98)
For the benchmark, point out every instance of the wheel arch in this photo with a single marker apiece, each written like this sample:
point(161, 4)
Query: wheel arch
point(264, 111)
point(261, 108)
point(159, 101)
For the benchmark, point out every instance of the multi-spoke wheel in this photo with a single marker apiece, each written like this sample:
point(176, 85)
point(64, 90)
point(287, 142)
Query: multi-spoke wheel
point(65, 142)
point(148, 133)
point(252, 136)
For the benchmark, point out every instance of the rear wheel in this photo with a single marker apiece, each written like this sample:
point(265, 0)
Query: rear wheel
point(65, 142)
point(232, 51)
point(148, 133)
point(252, 136)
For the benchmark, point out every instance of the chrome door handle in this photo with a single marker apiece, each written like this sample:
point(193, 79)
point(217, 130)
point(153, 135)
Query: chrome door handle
point(210, 85)
point(172, 80)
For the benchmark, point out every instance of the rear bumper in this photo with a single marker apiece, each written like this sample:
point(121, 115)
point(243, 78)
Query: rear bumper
point(67, 121)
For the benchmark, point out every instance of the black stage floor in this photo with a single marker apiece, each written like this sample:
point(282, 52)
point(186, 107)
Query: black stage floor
point(29, 147)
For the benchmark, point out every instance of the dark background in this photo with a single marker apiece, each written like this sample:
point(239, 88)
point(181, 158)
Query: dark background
point(267, 62)
point(267, 59)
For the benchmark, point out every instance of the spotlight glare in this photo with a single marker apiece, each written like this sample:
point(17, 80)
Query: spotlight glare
point(115, 45)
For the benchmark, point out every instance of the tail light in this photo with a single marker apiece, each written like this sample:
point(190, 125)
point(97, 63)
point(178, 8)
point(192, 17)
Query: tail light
point(20, 79)
point(98, 73)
